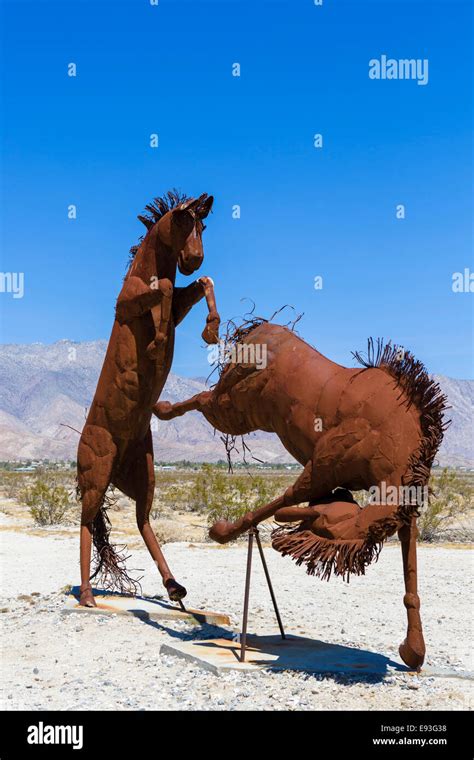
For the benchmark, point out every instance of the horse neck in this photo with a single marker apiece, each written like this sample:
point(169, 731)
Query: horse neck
point(153, 259)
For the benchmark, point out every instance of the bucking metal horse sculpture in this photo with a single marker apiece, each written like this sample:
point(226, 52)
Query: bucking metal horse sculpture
point(378, 426)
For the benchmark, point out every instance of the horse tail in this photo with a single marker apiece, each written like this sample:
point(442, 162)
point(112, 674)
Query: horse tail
point(422, 392)
point(110, 564)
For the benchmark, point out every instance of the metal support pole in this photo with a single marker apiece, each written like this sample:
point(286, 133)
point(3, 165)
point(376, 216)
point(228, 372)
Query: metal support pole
point(243, 637)
point(270, 587)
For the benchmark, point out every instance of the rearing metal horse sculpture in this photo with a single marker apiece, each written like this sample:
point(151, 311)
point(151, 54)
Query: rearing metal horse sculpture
point(350, 428)
point(116, 445)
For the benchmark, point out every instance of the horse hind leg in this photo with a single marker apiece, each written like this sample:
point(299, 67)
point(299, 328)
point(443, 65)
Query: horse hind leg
point(95, 460)
point(139, 484)
point(313, 483)
point(224, 531)
point(412, 650)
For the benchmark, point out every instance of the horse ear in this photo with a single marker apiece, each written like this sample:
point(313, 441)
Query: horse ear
point(206, 206)
point(189, 204)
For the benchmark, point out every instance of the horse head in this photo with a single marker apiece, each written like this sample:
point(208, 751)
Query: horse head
point(181, 230)
point(176, 222)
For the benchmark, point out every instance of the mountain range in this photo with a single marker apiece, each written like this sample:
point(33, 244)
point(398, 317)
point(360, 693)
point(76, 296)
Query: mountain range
point(45, 390)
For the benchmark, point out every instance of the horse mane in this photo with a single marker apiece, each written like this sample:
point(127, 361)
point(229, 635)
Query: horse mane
point(156, 210)
point(420, 391)
point(237, 332)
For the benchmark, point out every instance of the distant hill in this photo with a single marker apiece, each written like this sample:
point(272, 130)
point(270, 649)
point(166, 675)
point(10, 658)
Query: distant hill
point(44, 388)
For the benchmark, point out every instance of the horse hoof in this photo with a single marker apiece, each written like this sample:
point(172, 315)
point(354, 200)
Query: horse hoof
point(175, 590)
point(209, 337)
point(224, 531)
point(210, 334)
point(163, 410)
point(413, 657)
point(86, 598)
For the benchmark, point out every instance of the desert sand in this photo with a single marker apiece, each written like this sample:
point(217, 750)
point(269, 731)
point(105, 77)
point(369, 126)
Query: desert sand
point(97, 662)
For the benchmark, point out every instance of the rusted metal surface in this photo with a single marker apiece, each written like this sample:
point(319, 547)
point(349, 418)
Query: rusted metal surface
point(243, 637)
point(116, 445)
point(383, 425)
point(269, 582)
point(253, 532)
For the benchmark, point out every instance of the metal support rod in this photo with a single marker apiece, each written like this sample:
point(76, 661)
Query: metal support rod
point(270, 587)
point(243, 637)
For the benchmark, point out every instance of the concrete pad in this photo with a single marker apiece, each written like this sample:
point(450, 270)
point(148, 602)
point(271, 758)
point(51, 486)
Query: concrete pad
point(293, 653)
point(147, 608)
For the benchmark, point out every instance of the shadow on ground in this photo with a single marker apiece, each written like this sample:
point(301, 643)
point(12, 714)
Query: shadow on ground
point(217, 647)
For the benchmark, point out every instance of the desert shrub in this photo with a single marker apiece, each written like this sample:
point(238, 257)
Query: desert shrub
point(451, 502)
point(207, 480)
point(227, 501)
point(176, 497)
point(167, 533)
point(12, 483)
point(267, 488)
point(166, 499)
point(172, 493)
point(49, 504)
point(210, 489)
point(230, 496)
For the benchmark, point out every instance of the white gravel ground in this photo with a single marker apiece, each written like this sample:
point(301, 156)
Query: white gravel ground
point(56, 661)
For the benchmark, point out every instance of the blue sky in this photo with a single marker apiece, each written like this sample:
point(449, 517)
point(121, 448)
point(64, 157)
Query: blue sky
point(248, 140)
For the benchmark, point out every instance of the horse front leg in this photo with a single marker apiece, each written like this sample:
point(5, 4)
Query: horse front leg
point(161, 314)
point(165, 410)
point(210, 334)
point(412, 650)
point(185, 298)
point(137, 298)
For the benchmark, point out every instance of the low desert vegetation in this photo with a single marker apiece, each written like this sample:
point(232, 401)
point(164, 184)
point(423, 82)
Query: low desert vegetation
point(11, 483)
point(450, 508)
point(210, 493)
point(49, 504)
